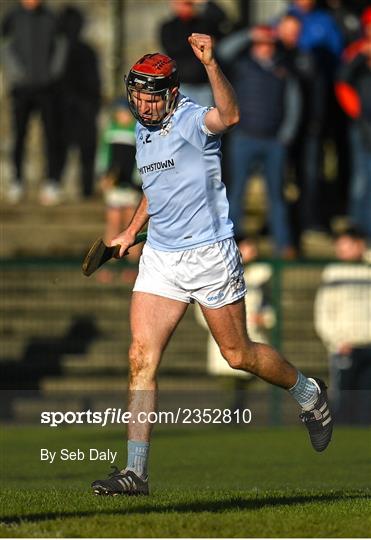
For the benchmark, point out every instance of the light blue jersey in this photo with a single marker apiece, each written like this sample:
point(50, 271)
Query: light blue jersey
point(180, 169)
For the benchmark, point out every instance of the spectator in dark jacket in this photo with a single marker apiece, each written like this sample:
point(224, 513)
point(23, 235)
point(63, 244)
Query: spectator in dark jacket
point(191, 16)
point(79, 98)
point(33, 58)
point(269, 100)
point(305, 148)
point(345, 17)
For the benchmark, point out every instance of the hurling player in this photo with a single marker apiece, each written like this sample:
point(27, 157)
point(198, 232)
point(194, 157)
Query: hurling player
point(190, 254)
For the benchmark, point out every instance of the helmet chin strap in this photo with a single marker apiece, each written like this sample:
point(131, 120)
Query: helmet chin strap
point(170, 107)
point(170, 104)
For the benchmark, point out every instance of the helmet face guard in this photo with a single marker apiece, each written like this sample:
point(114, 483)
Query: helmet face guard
point(154, 75)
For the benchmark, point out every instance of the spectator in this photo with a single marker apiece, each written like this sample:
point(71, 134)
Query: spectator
point(319, 32)
point(345, 18)
point(269, 99)
point(354, 94)
point(343, 321)
point(321, 36)
point(119, 180)
point(356, 47)
point(203, 17)
point(33, 59)
point(78, 99)
point(305, 147)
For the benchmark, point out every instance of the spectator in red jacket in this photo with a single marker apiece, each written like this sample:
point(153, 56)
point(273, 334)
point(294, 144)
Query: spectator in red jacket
point(353, 91)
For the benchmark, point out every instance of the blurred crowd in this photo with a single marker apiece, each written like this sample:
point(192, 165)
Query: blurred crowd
point(303, 85)
point(303, 81)
point(51, 70)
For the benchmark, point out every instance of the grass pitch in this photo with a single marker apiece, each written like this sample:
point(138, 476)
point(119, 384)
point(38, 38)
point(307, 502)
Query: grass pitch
point(205, 482)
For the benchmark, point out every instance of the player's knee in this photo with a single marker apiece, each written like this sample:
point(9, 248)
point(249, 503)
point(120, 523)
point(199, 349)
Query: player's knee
point(240, 358)
point(233, 356)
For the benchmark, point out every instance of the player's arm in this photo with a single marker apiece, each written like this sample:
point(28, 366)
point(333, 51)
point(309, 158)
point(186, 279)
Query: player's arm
point(226, 113)
point(127, 237)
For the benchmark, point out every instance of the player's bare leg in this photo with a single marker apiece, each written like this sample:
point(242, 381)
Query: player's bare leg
point(228, 326)
point(153, 320)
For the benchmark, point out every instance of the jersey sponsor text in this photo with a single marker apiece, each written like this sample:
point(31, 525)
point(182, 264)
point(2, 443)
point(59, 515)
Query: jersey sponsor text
point(158, 166)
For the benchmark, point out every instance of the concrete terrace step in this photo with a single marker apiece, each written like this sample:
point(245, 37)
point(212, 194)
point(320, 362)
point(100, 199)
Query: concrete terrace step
point(33, 303)
point(58, 327)
point(68, 229)
point(42, 325)
point(111, 327)
point(17, 348)
point(55, 315)
point(86, 386)
point(175, 361)
point(65, 274)
point(72, 211)
point(58, 240)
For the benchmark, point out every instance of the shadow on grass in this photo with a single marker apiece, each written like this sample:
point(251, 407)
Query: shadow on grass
point(228, 504)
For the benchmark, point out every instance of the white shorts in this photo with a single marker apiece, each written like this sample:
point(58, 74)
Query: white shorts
point(211, 275)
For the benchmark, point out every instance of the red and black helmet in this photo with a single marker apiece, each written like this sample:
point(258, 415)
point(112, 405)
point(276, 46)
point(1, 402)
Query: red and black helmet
point(154, 74)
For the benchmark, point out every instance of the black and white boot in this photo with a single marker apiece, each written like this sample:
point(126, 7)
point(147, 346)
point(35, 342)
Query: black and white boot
point(124, 482)
point(319, 420)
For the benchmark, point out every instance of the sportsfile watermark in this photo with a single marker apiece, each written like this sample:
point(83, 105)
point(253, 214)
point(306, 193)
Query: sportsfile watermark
point(112, 416)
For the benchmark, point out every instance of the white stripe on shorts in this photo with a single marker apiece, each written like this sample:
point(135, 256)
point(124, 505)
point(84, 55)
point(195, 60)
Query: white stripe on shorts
point(231, 255)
